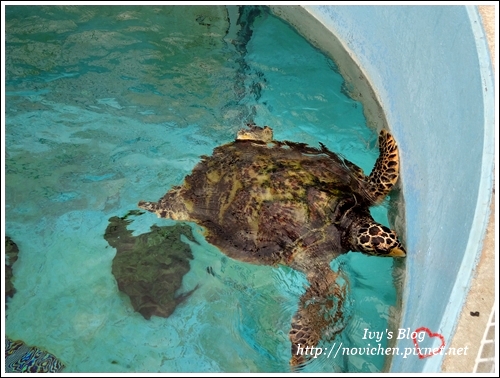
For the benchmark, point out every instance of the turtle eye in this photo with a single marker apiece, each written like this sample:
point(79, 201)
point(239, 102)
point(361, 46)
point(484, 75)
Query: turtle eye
point(378, 244)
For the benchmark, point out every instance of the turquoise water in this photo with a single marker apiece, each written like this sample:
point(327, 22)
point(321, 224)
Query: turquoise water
point(107, 106)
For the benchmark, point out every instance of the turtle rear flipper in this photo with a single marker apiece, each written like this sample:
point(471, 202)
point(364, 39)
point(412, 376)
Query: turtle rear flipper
point(256, 133)
point(320, 314)
point(171, 206)
point(149, 206)
point(385, 173)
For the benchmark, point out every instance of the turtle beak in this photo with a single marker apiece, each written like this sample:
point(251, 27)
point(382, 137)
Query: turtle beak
point(396, 252)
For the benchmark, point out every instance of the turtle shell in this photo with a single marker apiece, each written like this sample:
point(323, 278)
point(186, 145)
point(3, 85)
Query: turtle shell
point(266, 202)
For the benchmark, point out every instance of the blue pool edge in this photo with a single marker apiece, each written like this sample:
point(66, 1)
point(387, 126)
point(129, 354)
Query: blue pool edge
point(483, 207)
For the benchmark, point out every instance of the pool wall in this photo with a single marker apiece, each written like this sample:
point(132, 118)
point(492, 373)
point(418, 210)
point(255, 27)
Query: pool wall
point(429, 68)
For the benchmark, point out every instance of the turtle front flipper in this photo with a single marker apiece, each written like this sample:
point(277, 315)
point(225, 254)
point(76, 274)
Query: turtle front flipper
point(320, 314)
point(385, 173)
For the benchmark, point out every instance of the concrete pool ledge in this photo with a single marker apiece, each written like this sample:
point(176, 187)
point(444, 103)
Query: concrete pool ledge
point(429, 69)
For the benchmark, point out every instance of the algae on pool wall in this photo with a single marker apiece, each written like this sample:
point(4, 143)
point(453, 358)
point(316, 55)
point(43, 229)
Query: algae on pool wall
point(11, 254)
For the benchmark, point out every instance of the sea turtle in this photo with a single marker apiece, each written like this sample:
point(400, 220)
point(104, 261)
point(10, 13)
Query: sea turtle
point(277, 202)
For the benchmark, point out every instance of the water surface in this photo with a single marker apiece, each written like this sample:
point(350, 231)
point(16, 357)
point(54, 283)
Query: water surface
point(110, 105)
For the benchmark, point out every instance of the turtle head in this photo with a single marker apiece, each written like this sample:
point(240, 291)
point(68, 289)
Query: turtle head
point(372, 238)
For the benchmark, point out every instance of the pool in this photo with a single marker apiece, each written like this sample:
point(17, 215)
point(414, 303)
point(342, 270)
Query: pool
point(107, 106)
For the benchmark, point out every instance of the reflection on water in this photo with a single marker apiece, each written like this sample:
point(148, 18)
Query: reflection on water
point(109, 105)
point(149, 267)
